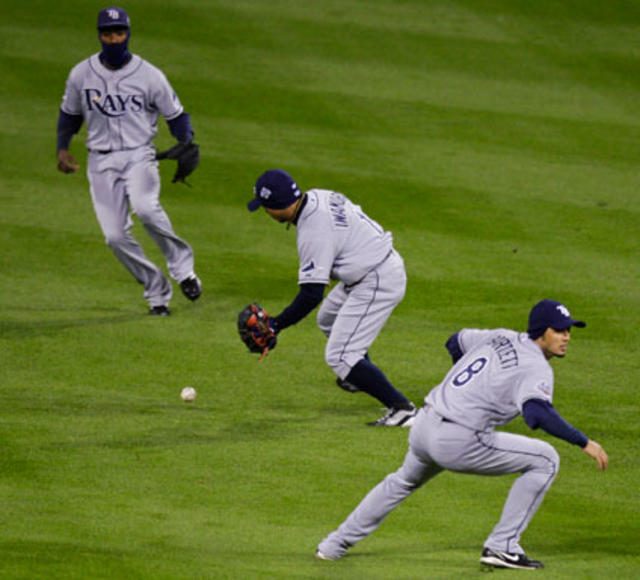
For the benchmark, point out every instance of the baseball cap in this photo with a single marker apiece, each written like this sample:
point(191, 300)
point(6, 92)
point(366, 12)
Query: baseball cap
point(274, 189)
point(550, 314)
point(113, 17)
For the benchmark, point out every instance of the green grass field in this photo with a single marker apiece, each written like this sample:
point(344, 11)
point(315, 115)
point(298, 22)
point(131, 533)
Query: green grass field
point(499, 141)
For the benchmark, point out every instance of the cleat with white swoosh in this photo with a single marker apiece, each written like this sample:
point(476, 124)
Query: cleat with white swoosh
point(498, 559)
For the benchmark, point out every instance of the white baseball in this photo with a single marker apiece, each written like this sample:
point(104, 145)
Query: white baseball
point(188, 394)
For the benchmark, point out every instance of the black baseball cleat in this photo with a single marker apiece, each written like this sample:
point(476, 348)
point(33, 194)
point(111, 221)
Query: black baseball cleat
point(161, 310)
point(191, 287)
point(507, 560)
point(347, 386)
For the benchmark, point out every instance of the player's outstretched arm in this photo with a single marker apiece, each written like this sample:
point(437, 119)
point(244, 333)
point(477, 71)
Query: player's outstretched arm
point(595, 450)
point(68, 126)
point(66, 162)
point(308, 297)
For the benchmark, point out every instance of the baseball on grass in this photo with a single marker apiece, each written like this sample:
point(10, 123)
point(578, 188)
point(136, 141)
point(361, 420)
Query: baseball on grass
point(188, 394)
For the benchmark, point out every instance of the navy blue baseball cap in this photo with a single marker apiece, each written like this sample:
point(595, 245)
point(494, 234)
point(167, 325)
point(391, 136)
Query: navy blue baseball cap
point(274, 189)
point(550, 314)
point(113, 17)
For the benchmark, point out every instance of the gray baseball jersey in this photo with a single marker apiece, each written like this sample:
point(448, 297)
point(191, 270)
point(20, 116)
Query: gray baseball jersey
point(500, 370)
point(337, 240)
point(121, 109)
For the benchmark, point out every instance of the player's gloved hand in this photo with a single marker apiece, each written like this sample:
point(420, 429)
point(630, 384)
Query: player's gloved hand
point(188, 157)
point(256, 329)
point(66, 162)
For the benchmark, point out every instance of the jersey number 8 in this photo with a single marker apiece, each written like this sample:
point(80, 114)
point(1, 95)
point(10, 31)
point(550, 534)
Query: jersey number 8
point(465, 375)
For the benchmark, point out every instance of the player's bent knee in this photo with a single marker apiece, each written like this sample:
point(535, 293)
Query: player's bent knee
point(555, 458)
point(326, 330)
point(396, 488)
point(147, 209)
point(337, 363)
point(548, 459)
point(145, 215)
point(333, 361)
point(115, 239)
point(324, 322)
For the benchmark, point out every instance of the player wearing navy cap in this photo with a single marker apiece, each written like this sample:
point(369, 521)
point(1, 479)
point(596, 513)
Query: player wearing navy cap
point(338, 241)
point(120, 96)
point(497, 375)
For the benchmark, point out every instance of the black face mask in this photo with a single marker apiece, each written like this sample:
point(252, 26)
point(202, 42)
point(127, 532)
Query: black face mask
point(116, 55)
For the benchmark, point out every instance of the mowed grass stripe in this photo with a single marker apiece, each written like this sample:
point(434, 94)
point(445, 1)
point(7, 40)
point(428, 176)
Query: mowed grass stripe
point(470, 130)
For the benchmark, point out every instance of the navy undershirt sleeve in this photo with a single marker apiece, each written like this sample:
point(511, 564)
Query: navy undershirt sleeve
point(181, 128)
point(539, 413)
point(453, 346)
point(68, 126)
point(308, 298)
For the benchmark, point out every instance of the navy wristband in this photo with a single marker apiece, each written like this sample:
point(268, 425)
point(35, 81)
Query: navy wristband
point(68, 126)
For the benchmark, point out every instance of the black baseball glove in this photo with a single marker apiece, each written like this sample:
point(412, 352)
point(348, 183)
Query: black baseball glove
point(256, 329)
point(188, 157)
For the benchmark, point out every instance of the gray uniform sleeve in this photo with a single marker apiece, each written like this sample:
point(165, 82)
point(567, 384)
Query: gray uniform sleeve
point(536, 383)
point(71, 103)
point(163, 97)
point(469, 338)
point(316, 250)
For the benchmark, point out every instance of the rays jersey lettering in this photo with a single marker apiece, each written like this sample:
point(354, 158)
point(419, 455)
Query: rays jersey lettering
point(120, 107)
point(113, 105)
point(337, 240)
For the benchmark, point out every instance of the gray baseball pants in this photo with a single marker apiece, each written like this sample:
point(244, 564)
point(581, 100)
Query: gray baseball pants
point(352, 316)
point(435, 445)
point(124, 180)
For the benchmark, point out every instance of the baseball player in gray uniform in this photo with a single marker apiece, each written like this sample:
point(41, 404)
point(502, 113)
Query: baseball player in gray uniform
point(338, 241)
point(120, 96)
point(498, 374)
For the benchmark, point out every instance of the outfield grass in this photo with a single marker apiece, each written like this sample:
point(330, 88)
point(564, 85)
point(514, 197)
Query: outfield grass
point(499, 141)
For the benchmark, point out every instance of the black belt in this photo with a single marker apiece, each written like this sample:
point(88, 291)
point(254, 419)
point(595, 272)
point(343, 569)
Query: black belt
point(100, 151)
point(444, 419)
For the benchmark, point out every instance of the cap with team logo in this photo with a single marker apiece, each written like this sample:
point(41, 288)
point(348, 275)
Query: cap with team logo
point(113, 17)
point(274, 189)
point(550, 314)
